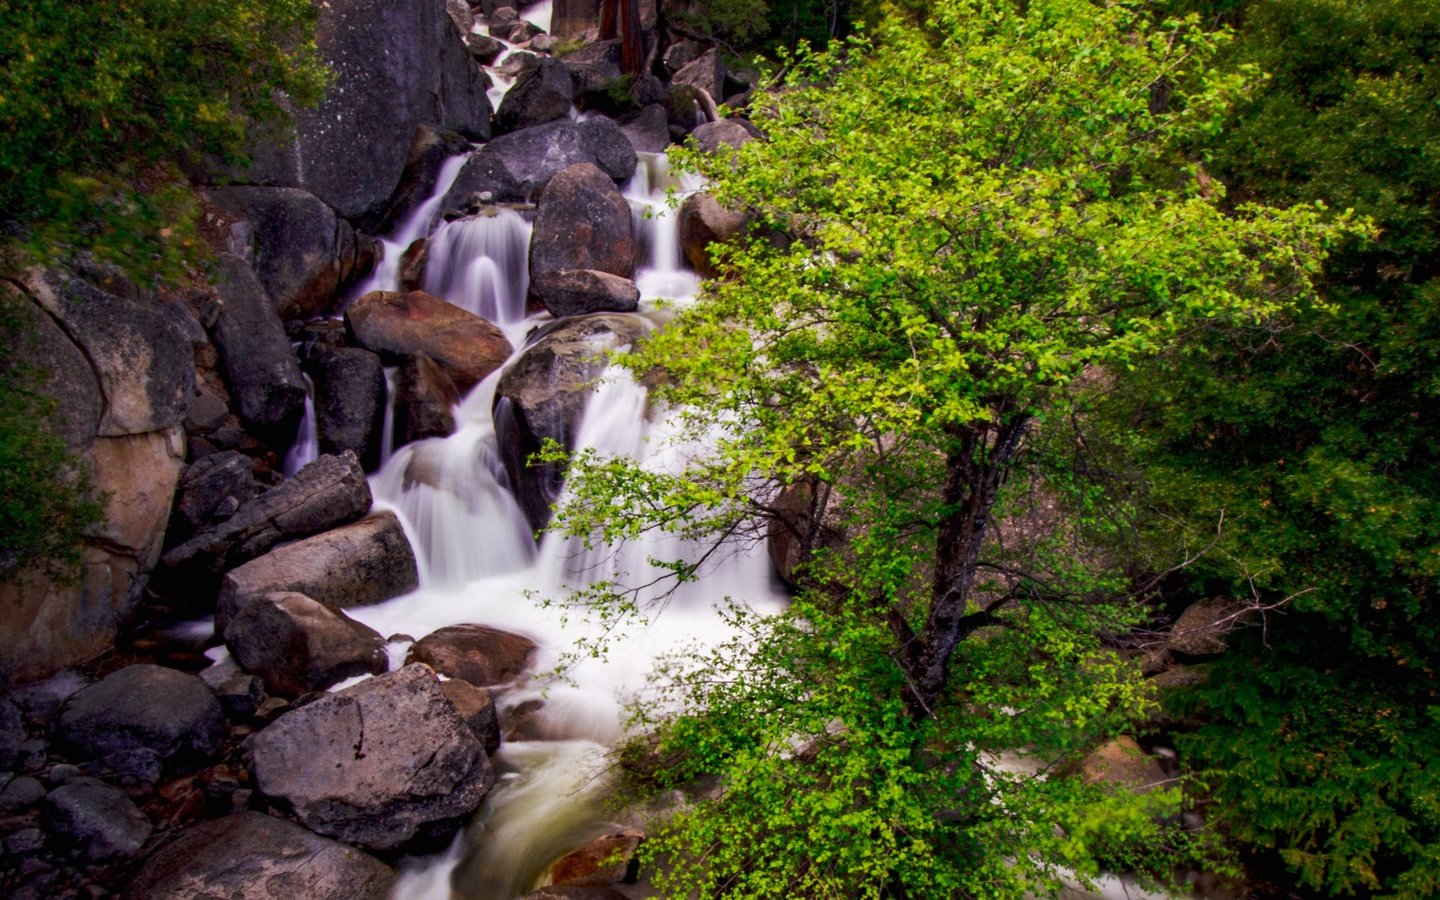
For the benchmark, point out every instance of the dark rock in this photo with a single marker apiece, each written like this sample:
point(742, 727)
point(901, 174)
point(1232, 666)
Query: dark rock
point(350, 403)
point(484, 48)
point(424, 395)
point(25, 842)
point(252, 856)
point(62, 772)
point(12, 733)
point(599, 82)
point(366, 562)
point(465, 346)
point(648, 130)
point(711, 136)
point(72, 382)
point(429, 149)
point(460, 15)
point(97, 817)
point(578, 292)
point(330, 491)
point(141, 765)
point(703, 222)
point(30, 755)
point(706, 73)
point(583, 222)
point(647, 90)
point(802, 522)
point(683, 108)
point(540, 95)
point(143, 706)
point(1201, 629)
point(477, 707)
point(542, 395)
point(255, 355)
point(678, 55)
point(297, 645)
point(609, 859)
point(241, 696)
point(21, 793)
point(377, 764)
point(476, 654)
point(514, 168)
point(208, 488)
point(412, 265)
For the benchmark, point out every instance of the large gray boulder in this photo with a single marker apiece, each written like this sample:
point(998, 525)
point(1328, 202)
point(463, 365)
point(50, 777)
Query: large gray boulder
point(143, 707)
point(542, 94)
point(543, 394)
point(350, 403)
point(706, 73)
point(255, 356)
point(516, 167)
point(378, 764)
point(328, 492)
point(297, 645)
point(729, 133)
point(464, 346)
point(366, 562)
point(98, 818)
point(252, 856)
point(583, 222)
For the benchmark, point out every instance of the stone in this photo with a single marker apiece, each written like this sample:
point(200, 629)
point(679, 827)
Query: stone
point(542, 396)
point(328, 492)
point(429, 150)
point(12, 733)
point(146, 707)
point(1201, 628)
point(465, 346)
point(543, 94)
point(350, 403)
point(378, 764)
point(359, 564)
point(569, 18)
point(21, 794)
point(476, 654)
point(259, 367)
point(97, 817)
point(579, 292)
point(460, 15)
point(207, 488)
point(241, 696)
point(141, 765)
point(25, 842)
point(412, 264)
point(477, 707)
point(484, 48)
point(648, 130)
point(706, 73)
point(424, 396)
point(71, 381)
point(609, 859)
point(703, 221)
point(711, 136)
point(140, 472)
point(516, 167)
point(1124, 763)
point(599, 82)
point(583, 222)
point(297, 645)
point(575, 892)
point(301, 251)
point(252, 856)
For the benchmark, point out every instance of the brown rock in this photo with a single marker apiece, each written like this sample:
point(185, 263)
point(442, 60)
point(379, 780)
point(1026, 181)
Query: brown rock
point(1124, 763)
point(579, 292)
point(297, 645)
point(424, 396)
point(395, 325)
point(477, 654)
point(583, 222)
point(477, 707)
point(703, 221)
point(609, 859)
point(1202, 627)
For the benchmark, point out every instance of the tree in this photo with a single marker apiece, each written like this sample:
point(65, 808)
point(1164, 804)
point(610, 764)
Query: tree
point(954, 227)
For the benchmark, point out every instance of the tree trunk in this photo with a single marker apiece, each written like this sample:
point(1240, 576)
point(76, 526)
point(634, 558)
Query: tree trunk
point(621, 18)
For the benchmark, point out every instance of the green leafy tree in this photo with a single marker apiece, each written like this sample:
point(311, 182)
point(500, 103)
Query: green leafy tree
point(1317, 438)
point(955, 226)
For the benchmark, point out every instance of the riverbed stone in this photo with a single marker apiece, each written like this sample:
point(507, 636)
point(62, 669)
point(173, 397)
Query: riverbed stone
point(729, 133)
point(143, 706)
point(365, 562)
point(97, 817)
point(478, 654)
point(543, 94)
point(424, 399)
point(609, 859)
point(516, 167)
point(703, 222)
point(378, 764)
point(252, 856)
point(707, 73)
point(212, 489)
point(296, 645)
point(350, 403)
point(476, 706)
point(398, 325)
point(583, 222)
point(579, 292)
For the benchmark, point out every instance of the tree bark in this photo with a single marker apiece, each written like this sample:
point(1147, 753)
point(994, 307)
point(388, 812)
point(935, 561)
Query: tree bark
point(621, 18)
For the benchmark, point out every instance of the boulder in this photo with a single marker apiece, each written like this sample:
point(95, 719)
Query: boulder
point(70, 380)
point(429, 150)
point(12, 734)
point(711, 136)
point(583, 222)
point(378, 764)
point(464, 346)
point(139, 472)
point(803, 520)
point(259, 366)
point(350, 399)
point(360, 564)
point(412, 265)
point(543, 94)
point(252, 856)
point(703, 221)
point(578, 292)
point(569, 18)
point(484, 48)
point(328, 492)
point(1201, 629)
point(212, 489)
point(648, 130)
point(599, 82)
point(97, 817)
point(516, 167)
point(477, 707)
point(609, 859)
point(297, 645)
point(477, 654)
point(705, 73)
point(542, 395)
point(1124, 763)
point(460, 15)
point(143, 707)
point(424, 396)
point(301, 251)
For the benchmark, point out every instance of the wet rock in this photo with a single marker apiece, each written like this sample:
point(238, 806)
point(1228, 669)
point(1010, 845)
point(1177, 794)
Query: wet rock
point(412, 265)
point(252, 856)
point(297, 645)
point(707, 73)
point(424, 396)
point(583, 222)
point(477, 707)
point(350, 403)
point(396, 326)
point(241, 696)
point(648, 130)
point(516, 167)
point(476, 654)
point(98, 818)
point(211, 491)
point(460, 15)
point(328, 492)
point(484, 48)
point(143, 706)
point(609, 859)
point(366, 562)
point(21, 793)
point(599, 82)
point(377, 764)
point(540, 95)
point(255, 355)
point(429, 149)
point(578, 292)
point(703, 222)
point(542, 395)
point(712, 136)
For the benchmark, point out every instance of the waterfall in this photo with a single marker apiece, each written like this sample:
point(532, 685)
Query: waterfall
point(306, 445)
point(482, 264)
point(416, 225)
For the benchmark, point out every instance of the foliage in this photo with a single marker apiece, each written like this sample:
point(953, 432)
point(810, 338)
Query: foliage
point(100, 103)
point(954, 226)
point(1317, 438)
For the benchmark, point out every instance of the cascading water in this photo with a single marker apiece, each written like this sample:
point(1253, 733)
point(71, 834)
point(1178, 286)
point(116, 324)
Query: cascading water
point(306, 445)
point(481, 263)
